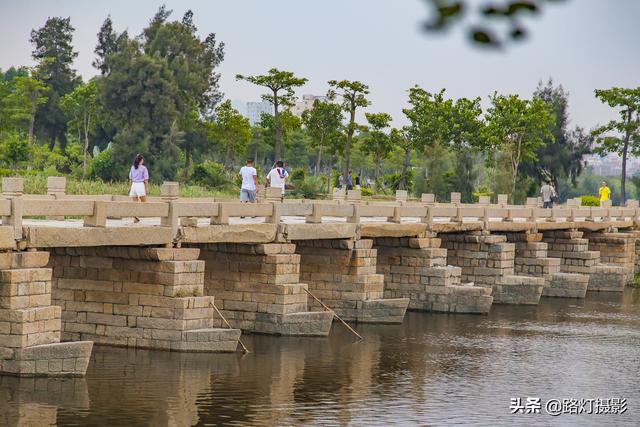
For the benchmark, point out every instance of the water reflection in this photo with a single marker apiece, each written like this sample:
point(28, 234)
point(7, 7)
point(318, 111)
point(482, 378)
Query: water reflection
point(434, 369)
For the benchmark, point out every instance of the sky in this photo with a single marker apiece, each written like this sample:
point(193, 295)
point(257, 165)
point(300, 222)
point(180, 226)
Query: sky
point(581, 44)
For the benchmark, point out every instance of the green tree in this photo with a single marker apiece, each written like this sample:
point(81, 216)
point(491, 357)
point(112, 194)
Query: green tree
point(429, 132)
point(377, 143)
point(401, 139)
point(232, 130)
point(281, 85)
point(158, 88)
point(559, 159)
point(286, 123)
point(82, 107)
point(54, 54)
point(517, 128)
point(620, 136)
point(24, 96)
point(353, 94)
point(15, 149)
point(107, 45)
point(322, 122)
point(192, 61)
point(141, 97)
point(465, 135)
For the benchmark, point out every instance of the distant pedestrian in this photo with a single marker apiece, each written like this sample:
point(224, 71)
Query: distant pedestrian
point(357, 182)
point(548, 194)
point(277, 176)
point(349, 181)
point(340, 182)
point(604, 192)
point(249, 182)
point(138, 182)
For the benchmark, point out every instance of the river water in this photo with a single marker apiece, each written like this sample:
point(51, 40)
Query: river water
point(435, 369)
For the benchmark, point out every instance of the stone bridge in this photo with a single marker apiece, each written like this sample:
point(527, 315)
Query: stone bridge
point(75, 270)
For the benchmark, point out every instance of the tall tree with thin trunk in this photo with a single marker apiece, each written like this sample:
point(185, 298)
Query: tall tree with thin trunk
point(377, 142)
point(25, 96)
point(233, 131)
point(353, 94)
point(401, 138)
point(82, 107)
point(620, 136)
point(281, 85)
point(322, 122)
point(517, 128)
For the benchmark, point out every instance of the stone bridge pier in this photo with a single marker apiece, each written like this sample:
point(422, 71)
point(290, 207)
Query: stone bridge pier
point(531, 259)
point(343, 274)
point(615, 249)
point(137, 297)
point(489, 260)
point(416, 268)
point(30, 325)
point(258, 289)
point(573, 249)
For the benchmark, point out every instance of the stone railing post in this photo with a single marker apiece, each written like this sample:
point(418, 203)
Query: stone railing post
point(401, 196)
point(456, 198)
point(56, 187)
point(169, 193)
point(276, 213)
point(13, 189)
point(355, 216)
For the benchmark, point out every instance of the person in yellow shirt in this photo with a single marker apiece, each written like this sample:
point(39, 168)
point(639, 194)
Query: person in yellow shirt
point(604, 192)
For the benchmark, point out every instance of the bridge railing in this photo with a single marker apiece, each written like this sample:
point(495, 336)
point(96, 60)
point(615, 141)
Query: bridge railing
point(170, 209)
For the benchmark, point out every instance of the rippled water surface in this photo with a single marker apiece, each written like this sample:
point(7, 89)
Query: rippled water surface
point(435, 369)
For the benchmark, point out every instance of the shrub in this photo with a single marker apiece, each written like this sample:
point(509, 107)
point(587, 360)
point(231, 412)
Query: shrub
point(210, 174)
point(476, 195)
point(104, 167)
point(298, 175)
point(392, 180)
point(311, 188)
point(589, 201)
point(15, 150)
point(366, 191)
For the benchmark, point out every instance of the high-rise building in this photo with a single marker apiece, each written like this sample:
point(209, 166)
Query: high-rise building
point(255, 110)
point(306, 103)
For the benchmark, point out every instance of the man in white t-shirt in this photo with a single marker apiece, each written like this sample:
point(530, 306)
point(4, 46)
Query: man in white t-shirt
point(249, 182)
point(277, 176)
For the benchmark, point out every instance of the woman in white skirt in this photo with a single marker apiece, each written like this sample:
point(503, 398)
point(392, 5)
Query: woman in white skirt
point(138, 182)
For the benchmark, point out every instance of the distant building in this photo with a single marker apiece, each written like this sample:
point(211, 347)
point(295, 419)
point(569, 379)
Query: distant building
point(255, 110)
point(306, 103)
point(611, 164)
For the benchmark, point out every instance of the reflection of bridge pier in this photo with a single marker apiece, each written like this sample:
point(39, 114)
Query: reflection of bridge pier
point(35, 401)
point(173, 384)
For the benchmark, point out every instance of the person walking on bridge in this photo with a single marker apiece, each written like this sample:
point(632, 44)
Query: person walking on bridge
point(604, 192)
point(249, 182)
point(277, 177)
point(548, 193)
point(138, 182)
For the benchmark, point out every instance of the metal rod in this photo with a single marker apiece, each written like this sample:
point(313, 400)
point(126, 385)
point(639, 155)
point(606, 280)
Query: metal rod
point(334, 313)
point(244, 349)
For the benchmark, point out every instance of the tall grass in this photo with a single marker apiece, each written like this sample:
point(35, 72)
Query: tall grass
point(37, 184)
